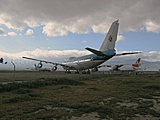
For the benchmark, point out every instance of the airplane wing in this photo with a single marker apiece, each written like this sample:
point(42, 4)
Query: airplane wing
point(98, 53)
point(127, 53)
point(63, 65)
point(40, 60)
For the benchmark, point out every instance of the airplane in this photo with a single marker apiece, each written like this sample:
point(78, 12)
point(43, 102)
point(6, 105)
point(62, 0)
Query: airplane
point(2, 61)
point(116, 67)
point(137, 64)
point(85, 63)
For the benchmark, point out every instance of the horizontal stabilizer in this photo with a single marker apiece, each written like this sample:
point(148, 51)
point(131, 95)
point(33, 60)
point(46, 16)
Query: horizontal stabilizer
point(98, 53)
point(127, 53)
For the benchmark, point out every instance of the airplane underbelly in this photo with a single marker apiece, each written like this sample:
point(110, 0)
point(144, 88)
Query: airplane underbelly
point(88, 64)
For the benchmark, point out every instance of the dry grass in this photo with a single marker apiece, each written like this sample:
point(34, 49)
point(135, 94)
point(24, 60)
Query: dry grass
point(69, 96)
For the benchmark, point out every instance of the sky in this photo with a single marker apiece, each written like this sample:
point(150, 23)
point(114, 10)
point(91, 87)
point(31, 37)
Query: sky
point(56, 29)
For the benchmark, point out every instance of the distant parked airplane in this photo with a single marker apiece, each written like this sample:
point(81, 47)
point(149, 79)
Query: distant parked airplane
point(2, 61)
point(87, 62)
point(116, 67)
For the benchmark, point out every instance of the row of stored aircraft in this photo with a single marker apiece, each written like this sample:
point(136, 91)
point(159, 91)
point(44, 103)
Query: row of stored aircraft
point(116, 67)
point(112, 67)
point(92, 61)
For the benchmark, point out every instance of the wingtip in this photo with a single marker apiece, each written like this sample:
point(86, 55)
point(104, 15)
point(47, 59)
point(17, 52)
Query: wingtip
point(116, 21)
point(87, 48)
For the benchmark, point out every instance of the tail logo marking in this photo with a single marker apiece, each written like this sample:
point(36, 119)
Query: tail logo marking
point(110, 38)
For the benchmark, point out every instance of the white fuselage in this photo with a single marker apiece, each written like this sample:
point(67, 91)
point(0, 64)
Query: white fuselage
point(88, 61)
point(83, 64)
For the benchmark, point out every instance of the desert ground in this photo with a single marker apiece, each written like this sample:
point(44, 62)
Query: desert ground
point(58, 96)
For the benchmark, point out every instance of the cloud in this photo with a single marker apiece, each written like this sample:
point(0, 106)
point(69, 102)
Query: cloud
point(55, 29)
point(52, 55)
point(120, 37)
point(2, 33)
point(29, 32)
point(101, 28)
point(84, 41)
point(61, 55)
point(58, 18)
point(31, 22)
point(152, 27)
point(151, 56)
point(11, 21)
point(12, 33)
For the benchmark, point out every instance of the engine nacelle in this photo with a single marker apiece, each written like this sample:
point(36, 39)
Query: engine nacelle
point(54, 68)
point(1, 60)
point(40, 65)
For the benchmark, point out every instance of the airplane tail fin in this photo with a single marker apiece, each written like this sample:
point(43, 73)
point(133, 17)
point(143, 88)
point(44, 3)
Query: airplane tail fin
point(111, 37)
point(137, 63)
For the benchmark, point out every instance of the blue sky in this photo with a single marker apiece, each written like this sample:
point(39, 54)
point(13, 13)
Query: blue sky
point(27, 27)
point(139, 40)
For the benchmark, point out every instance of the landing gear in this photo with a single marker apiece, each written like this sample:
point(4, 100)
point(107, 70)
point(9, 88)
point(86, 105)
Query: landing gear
point(77, 72)
point(86, 72)
point(68, 71)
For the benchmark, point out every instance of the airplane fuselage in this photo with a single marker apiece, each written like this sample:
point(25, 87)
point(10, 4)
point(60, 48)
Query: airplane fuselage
point(88, 61)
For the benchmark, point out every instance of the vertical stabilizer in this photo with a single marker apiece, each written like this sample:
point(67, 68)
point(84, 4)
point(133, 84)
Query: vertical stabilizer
point(111, 37)
point(137, 63)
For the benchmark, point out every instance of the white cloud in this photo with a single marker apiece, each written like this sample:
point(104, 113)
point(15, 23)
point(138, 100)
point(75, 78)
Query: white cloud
point(152, 27)
point(151, 56)
point(120, 37)
point(61, 29)
point(56, 55)
point(101, 28)
point(55, 29)
point(84, 41)
point(12, 33)
point(58, 18)
point(61, 55)
point(2, 33)
point(31, 22)
point(29, 32)
point(12, 22)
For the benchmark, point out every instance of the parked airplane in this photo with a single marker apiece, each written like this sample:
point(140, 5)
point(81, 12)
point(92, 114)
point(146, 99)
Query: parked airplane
point(2, 61)
point(135, 66)
point(84, 63)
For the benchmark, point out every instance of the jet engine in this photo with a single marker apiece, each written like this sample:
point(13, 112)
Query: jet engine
point(1, 60)
point(54, 68)
point(40, 65)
